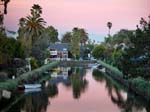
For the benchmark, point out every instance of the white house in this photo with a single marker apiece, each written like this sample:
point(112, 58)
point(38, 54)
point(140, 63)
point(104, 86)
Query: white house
point(59, 51)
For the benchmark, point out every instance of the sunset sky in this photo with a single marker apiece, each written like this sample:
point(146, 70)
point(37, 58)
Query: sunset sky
point(92, 15)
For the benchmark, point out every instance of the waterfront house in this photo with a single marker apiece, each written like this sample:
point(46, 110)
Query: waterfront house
point(59, 51)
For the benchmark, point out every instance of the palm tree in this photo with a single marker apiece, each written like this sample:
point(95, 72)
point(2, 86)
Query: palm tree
point(36, 10)
point(109, 25)
point(80, 35)
point(5, 3)
point(83, 36)
point(67, 37)
point(32, 27)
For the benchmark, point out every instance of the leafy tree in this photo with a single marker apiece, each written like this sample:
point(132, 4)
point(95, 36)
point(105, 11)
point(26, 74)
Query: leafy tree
point(135, 60)
point(108, 54)
point(49, 35)
point(90, 45)
point(98, 52)
point(121, 37)
point(52, 34)
point(9, 49)
point(116, 44)
point(79, 38)
point(116, 57)
point(75, 48)
point(67, 38)
point(83, 36)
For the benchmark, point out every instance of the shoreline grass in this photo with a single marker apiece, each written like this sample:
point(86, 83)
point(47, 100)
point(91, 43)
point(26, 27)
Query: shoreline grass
point(12, 84)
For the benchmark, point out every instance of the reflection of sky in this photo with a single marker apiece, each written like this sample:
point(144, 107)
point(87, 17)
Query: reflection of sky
point(94, 99)
point(89, 14)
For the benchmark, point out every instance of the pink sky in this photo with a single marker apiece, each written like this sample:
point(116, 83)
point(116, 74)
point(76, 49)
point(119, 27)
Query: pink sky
point(89, 14)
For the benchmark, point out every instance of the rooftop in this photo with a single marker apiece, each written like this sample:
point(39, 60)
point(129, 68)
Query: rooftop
point(59, 46)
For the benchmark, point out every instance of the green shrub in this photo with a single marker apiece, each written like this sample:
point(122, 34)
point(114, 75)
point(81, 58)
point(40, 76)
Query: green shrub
point(34, 63)
point(141, 85)
point(113, 69)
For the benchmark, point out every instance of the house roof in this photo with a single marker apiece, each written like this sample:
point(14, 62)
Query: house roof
point(59, 46)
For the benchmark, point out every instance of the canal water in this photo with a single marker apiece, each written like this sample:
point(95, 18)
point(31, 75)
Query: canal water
point(75, 90)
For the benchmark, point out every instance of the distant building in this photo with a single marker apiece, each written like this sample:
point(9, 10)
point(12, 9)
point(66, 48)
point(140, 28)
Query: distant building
point(121, 46)
point(59, 51)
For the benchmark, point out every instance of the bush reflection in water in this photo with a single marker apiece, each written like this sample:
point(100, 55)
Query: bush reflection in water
point(38, 101)
point(76, 82)
point(132, 103)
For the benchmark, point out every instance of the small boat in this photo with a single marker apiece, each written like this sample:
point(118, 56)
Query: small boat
point(29, 86)
point(103, 70)
point(99, 67)
point(35, 90)
point(55, 70)
point(54, 75)
point(95, 66)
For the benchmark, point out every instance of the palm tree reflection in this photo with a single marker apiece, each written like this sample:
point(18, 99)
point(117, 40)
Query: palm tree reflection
point(75, 80)
point(78, 82)
point(5, 3)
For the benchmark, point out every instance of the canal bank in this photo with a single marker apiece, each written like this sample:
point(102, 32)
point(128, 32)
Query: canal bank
point(138, 85)
point(12, 83)
point(81, 89)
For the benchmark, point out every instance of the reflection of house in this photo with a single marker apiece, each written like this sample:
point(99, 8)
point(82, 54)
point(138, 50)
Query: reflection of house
point(61, 77)
point(63, 72)
point(59, 51)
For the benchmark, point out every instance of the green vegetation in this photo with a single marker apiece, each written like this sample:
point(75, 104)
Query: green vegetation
point(67, 37)
point(35, 37)
point(135, 60)
point(100, 76)
point(52, 34)
point(10, 48)
point(33, 34)
point(12, 84)
point(77, 39)
point(79, 83)
point(128, 50)
point(98, 52)
point(34, 63)
point(111, 68)
point(141, 85)
point(31, 28)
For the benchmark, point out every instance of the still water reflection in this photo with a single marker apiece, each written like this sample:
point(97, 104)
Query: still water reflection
point(76, 90)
